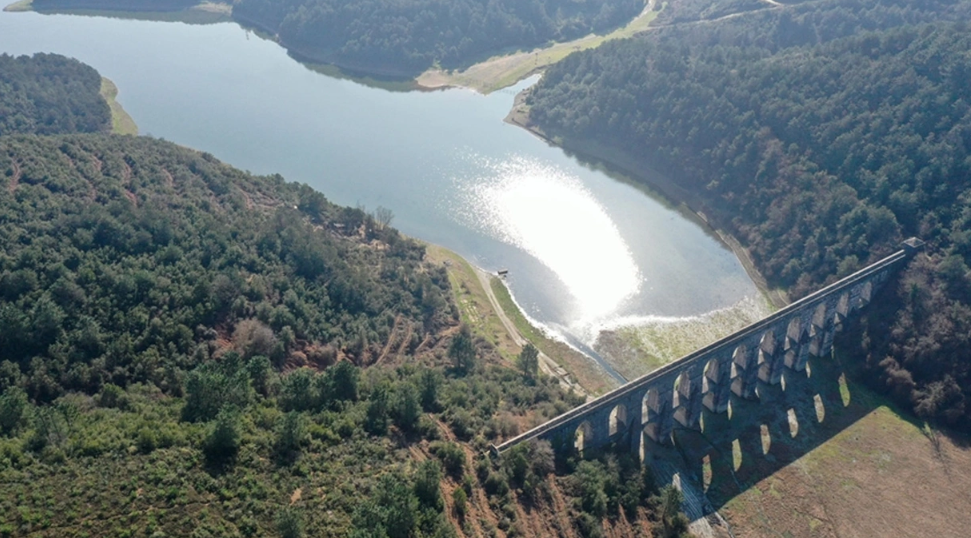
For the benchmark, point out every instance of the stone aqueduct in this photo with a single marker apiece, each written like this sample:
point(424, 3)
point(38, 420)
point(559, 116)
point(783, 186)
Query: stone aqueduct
point(674, 395)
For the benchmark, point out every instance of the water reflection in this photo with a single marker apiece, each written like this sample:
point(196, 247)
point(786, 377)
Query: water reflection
point(550, 214)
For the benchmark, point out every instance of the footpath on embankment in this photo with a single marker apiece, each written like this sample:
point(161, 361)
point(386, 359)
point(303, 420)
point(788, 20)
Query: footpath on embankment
point(485, 304)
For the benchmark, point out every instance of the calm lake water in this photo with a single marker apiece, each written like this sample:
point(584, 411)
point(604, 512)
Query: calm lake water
point(584, 249)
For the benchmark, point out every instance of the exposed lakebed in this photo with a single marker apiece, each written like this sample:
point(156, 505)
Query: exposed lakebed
point(585, 250)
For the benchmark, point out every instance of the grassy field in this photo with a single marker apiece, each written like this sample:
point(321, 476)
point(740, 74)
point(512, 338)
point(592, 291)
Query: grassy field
point(503, 71)
point(121, 122)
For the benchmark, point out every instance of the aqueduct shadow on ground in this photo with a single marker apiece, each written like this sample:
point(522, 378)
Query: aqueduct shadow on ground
point(733, 451)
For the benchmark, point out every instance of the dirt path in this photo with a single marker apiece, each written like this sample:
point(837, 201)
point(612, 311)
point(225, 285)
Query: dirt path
point(394, 344)
point(547, 365)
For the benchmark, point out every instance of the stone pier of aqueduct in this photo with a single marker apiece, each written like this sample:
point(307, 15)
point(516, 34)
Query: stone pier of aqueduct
point(674, 395)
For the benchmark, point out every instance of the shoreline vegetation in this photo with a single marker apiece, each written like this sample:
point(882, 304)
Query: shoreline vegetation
point(483, 300)
point(504, 70)
point(570, 361)
point(121, 122)
point(639, 349)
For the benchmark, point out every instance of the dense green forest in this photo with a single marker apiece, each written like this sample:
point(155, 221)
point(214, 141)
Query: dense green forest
point(186, 345)
point(807, 22)
point(820, 151)
point(191, 350)
point(408, 36)
point(124, 260)
point(49, 94)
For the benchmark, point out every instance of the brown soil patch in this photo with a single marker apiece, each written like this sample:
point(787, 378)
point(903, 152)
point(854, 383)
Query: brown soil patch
point(169, 181)
point(15, 178)
point(126, 172)
point(97, 163)
point(395, 340)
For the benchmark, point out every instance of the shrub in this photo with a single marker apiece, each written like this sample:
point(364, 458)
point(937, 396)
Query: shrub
point(146, 440)
point(297, 391)
point(427, 479)
point(496, 484)
point(113, 396)
point(291, 434)
point(429, 383)
point(213, 386)
point(345, 378)
point(459, 498)
point(590, 480)
point(452, 456)
point(462, 423)
point(590, 526)
point(223, 441)
point(289, 523)
point(407, 409)
point(13, 410)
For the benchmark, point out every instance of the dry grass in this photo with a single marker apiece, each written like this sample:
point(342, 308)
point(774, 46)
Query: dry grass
point(578, 366)
point(503, 71)
point(866, 470)
point(21, 5)
point(121, 122)
point(474, 307)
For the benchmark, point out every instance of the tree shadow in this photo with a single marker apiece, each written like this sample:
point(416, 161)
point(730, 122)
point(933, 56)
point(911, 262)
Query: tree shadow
point(218, 465)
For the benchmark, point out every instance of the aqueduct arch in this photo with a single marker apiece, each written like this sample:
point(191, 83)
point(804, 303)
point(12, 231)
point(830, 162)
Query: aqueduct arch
point(652, 405)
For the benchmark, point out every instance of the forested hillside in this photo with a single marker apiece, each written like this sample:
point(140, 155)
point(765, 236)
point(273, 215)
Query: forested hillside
point(191, 350)
point(50, 94)
point(125, 260)
point(160, 313)
point(408, 36)
point(820, 156)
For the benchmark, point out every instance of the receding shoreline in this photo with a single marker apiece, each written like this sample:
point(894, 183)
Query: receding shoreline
point(507, 69)
point(471, 290)
point(121, 121)
point(645, 176)
point(19, 6)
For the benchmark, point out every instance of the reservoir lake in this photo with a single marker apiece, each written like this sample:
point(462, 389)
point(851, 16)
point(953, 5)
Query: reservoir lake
point(585, 249)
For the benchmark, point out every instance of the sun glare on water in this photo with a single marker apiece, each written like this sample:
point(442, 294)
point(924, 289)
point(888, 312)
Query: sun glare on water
point(553, 217)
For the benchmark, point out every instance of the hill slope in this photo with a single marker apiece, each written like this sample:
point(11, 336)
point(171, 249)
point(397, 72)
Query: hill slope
point(407, 37)
point(820, 157)
point(190, 350)
point(50, 94)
